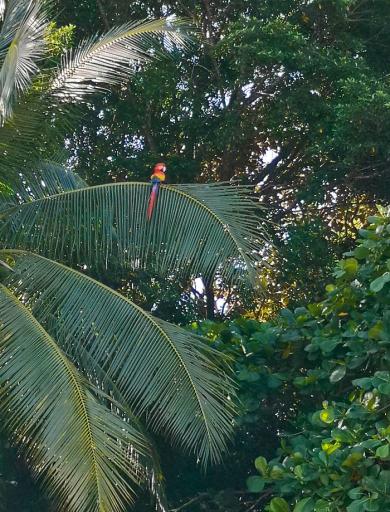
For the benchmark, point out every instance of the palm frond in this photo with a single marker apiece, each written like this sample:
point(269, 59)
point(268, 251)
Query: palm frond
point(87, 454)
point(112, 58)
point(33, 133)
point(97, 376)
point(195, 230)
point(22, 41)
point(49, 178)
point(2, 9)
point(164, 372)
point(41, 116)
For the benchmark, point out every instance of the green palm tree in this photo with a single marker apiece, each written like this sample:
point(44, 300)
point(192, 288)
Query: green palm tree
point(85, 374)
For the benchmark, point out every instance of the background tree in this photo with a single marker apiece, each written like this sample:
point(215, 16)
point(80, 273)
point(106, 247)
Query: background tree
point(290, 95)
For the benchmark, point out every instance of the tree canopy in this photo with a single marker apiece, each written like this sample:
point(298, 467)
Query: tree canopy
point(291, 96)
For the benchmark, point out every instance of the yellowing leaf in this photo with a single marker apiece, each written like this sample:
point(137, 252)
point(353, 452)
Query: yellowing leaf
point(327, 416)
point(329, 448)
point(287, 351)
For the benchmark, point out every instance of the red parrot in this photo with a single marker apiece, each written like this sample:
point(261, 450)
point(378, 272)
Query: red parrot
point(156, 179)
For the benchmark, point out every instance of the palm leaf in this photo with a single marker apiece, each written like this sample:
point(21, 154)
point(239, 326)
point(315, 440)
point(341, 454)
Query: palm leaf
point(33, 133)
point(103, 61)
point(165, 373)
point(2, 9)
point(150, 460)
point(195, 229)
point(22, 41)
point(48, 179)
point(87, 454)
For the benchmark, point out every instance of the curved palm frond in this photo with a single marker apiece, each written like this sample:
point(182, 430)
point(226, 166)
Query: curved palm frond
point(48, 179)
point(87, 454)
point(22, 43)
point(112, 58)
point(195, 230)
point(164, 372)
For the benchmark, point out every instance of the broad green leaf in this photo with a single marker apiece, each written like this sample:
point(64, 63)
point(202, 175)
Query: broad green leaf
point(383, 452)
point(376, 331)
point(364, 382)
point(261, 465)
point(338, 374)
point(357, 506)
point(255, 484)
point(342, 435)
point(276, 472)
point(372, 505)
point(327, 415)
point(322, 506)
point(305, 505)
point(352, 459)
point(350, 265)
point(288, 315)
point(379, 282)
point(384, 388)
point(361, 252)
point(329, 448)
point(356, 493)
point(279, 505)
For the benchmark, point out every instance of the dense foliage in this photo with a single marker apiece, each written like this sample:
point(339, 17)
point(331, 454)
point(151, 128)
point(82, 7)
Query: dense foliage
point(318, 378)
point(337, 456)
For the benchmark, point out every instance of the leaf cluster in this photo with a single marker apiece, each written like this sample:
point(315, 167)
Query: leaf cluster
point(337, 456)
point(318, 378)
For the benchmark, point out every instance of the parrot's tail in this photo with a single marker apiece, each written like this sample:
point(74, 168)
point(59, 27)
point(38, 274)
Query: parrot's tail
point(152, 200)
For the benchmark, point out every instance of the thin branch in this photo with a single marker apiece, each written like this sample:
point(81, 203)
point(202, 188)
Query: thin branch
point(193, 500)
point(260, 499)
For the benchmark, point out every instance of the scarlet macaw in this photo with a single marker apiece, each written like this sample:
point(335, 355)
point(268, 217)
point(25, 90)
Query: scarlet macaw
point(156, 179)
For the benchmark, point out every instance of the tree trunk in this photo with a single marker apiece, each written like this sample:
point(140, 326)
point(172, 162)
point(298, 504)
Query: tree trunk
point(210, 299)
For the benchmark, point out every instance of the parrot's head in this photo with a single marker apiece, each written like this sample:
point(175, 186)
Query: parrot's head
point(160, 167)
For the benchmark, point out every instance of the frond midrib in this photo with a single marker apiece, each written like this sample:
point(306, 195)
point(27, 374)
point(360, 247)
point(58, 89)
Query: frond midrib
point(131, 304)
point(69, 371)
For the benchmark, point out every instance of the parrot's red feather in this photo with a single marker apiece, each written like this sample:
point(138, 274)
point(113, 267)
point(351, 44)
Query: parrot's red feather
point(152, 200)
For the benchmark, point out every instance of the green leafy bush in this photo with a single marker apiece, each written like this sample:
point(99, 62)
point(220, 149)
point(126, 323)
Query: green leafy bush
point(337, 456)
point(318, 378)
